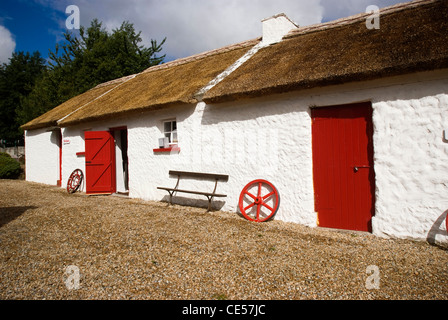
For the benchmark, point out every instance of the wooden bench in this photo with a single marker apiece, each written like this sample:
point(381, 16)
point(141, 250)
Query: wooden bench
point(199, 175)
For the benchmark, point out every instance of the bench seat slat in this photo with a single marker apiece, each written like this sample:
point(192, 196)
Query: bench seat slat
point(193, 192)
point(221, 177)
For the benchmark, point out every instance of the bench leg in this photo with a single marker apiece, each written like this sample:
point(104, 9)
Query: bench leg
point(209, 203)
point(171, 197)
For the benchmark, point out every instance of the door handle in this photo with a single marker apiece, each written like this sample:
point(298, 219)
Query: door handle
point(88, 161)
point(356, 169)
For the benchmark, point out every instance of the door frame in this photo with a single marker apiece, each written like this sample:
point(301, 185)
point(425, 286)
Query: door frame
point(113, 131)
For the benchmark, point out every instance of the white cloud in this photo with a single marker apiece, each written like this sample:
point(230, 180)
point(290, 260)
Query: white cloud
point(7, 44)
point(199, 25)
point(344, 8)
point(193, 26)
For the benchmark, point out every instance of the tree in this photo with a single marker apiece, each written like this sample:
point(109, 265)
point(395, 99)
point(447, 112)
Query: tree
point(97, 56)
point(81, 62)
point(17, 80)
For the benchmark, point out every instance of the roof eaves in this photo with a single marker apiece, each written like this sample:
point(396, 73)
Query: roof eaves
point(71, 122)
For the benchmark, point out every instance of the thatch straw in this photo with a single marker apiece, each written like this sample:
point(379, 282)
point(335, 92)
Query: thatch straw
point(169, 84)
point(412, 37)
point(51, 117)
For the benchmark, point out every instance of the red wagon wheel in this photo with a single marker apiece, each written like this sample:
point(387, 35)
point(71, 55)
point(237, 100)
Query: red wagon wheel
point(74, 181)
point(259, 201)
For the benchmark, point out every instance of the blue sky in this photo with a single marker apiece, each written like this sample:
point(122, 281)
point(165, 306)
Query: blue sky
point(191, 26)
point(33, 26)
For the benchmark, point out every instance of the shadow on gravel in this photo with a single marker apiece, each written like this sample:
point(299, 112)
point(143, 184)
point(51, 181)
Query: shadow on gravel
point(8, 214)
point(437, 229)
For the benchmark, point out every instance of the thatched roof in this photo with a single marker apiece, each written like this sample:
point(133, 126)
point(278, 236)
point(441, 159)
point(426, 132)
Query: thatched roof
point(167, 84)
point(50, 118)
point(412, 37)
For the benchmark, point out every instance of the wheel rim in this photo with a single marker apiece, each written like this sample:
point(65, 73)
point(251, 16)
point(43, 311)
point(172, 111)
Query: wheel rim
point(74, 181)
point(259, 201)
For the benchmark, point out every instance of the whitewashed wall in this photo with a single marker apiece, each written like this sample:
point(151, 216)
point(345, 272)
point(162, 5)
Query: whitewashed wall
point(270, 138)
point(411, 163)
point(42, 156)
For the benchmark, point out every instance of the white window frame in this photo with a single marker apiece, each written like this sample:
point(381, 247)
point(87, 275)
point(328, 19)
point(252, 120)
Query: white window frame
point(171, 134)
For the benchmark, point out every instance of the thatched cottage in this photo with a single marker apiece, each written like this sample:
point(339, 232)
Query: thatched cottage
point(349, 123)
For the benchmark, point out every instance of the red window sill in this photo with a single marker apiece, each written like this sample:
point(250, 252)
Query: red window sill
point(170, 149)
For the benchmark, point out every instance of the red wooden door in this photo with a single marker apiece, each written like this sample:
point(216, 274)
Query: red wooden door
point(344, 181)
point(100, 162)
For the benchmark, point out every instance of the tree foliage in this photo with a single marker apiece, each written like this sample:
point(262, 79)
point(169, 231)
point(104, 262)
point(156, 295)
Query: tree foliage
point(9, 167)
point(97, 56)
point(76, 65)
point(17, 80)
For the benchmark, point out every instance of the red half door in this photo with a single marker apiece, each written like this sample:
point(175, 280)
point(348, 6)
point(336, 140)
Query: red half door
point(100, 162)
point(344, 178)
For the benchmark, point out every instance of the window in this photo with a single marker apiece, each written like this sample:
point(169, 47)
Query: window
point(170, 130)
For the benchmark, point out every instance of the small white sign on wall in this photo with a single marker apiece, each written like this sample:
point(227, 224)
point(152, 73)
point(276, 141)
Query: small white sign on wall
point(445, 134)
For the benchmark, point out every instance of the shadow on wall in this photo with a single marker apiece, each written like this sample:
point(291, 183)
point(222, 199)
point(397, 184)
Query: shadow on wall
point(55, 137)
point(436, 229)
point(8, 214)
point(249, 110)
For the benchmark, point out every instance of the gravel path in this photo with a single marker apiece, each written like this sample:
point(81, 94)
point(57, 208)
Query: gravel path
point(131, 249)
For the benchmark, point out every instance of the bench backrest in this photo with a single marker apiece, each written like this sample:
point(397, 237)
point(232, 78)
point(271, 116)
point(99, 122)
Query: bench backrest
point(210, 176)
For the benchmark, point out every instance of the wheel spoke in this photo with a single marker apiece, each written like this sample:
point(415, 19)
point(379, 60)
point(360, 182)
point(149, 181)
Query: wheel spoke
point(249, 206)
point(258, 212)
point(250, 195)
point(259, 189)
point(268, 195)
point(267, 206)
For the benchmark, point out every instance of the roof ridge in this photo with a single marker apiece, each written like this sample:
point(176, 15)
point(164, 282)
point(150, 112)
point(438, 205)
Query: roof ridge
point(356, 18)
point(115, 81)
point(202, 55)
point(181, 61)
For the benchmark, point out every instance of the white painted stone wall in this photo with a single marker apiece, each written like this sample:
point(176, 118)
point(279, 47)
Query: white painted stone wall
point(270, 138)
point(411, 163)
point(42, 156)
point(74, 143)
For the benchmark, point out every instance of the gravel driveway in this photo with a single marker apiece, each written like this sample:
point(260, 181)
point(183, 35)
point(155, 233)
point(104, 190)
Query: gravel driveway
point(130, 249)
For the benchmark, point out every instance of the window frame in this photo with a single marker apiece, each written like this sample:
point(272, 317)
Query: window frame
point(172, 132)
